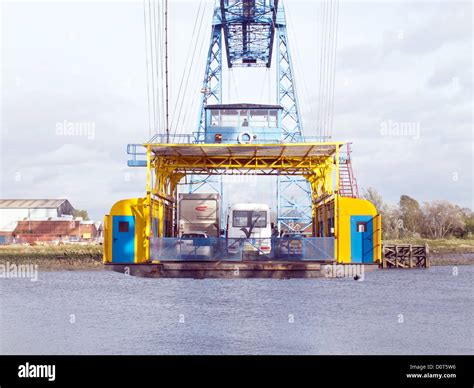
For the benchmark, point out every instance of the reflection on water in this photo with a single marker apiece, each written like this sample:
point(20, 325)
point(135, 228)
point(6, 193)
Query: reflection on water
point(393, 311)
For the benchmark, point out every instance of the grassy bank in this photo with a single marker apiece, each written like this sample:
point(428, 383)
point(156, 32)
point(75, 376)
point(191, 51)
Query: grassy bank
point(68, 257)
point(439, 247)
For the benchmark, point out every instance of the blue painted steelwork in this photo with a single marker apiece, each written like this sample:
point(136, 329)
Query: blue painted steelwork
point(123, 244)
point(362, 244)
point(211, 93)
point(286, 86)
point(294, 211)
point(248, 31)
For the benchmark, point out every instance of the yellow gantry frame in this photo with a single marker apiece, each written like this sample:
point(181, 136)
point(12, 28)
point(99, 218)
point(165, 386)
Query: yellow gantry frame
point(168, 164)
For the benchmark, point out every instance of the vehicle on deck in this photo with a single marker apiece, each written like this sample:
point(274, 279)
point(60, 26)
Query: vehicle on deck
point(290, 246)
point(249, 224)
point(199, 213)
point(194, 246)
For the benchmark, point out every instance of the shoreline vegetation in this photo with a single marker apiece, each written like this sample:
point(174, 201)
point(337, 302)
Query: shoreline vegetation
point(89, 257)
point(54, 257)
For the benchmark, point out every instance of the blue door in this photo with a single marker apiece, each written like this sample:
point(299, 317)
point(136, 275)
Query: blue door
point(123, 239)
point(362, 245)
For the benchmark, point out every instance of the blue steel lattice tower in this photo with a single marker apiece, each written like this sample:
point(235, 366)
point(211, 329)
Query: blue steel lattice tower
point(251, 30)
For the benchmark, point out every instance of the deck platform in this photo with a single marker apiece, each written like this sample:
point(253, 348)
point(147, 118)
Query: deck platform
point(244, 269)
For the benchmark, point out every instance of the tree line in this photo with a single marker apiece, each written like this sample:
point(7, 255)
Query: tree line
point(434, 219)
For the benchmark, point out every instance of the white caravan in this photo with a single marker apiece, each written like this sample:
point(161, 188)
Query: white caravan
point(249, 221)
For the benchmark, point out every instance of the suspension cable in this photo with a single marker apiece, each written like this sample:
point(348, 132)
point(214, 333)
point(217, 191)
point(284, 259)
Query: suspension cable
point(188, 67)
point(147, 68)
point(185, 65)
point(152, 61)
point(336, 28)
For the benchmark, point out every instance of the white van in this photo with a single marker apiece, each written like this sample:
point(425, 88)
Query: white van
point(249, 221)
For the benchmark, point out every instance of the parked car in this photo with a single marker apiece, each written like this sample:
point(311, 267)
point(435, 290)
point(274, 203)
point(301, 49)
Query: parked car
point(290, 246)
point(194, 246)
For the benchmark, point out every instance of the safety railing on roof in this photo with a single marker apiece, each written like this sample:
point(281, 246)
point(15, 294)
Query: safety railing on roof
point(177, 138)
point(195, 137)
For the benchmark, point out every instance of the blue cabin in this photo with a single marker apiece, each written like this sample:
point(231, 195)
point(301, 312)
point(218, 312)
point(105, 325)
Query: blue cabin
point(243, 123)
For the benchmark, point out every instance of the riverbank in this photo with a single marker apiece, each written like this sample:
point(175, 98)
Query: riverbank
point(52, 258)
point(89, 257)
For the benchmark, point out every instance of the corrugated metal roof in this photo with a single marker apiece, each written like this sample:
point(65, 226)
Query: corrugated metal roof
point(31, 203)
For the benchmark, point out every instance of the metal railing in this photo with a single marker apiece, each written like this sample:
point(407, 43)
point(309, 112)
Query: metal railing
point(195, 137)
point(177, 138)
point(297, 248)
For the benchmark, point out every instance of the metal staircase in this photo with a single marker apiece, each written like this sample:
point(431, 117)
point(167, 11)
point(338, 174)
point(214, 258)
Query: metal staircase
point(347, 181)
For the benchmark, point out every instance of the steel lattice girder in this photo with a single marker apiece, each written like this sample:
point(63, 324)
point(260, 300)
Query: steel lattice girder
point(249, 30)
point(302, 159)
point(287, 97)
point(268, 166)
point(294, 193)
point(211, 92)
point(170, 165)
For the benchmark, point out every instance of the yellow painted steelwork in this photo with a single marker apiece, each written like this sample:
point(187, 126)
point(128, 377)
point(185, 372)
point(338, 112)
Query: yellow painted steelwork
point(265, 159)
point(168, 164)
point(140, 210)
point(355, 206)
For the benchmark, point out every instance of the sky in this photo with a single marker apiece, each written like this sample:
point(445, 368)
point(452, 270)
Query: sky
point(400, 65)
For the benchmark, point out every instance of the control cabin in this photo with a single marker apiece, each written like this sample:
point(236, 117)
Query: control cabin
point(243, 123)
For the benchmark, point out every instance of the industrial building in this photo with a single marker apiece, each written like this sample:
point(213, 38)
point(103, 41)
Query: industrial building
point(57, 230)
point(13, 210)
point(47, 220)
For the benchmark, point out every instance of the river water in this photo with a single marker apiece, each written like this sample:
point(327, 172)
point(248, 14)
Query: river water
point(102, 312)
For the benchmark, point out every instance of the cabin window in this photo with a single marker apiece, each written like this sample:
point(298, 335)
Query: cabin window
point(362, 227)
point(239, 219)
point(247, 218)
point(244, 118)
point(215, 118)
point(123, 226)
point(259, 219)
point(259, 118)
point(229, 118)
point(241, 118)
point(273, 119)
